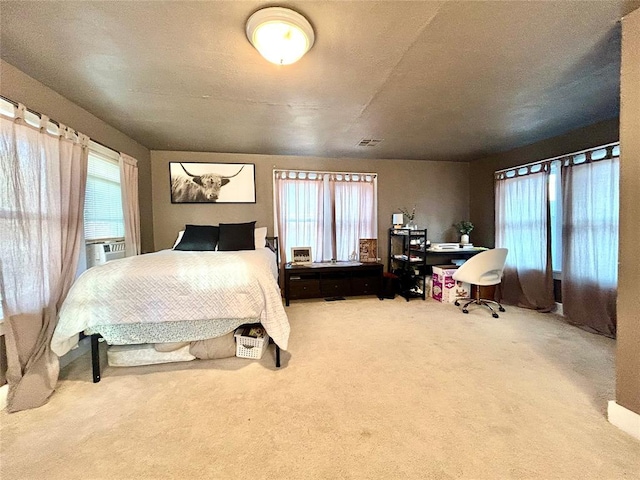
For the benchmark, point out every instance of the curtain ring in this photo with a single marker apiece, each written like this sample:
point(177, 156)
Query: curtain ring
point(44, 121)
point(19, 112)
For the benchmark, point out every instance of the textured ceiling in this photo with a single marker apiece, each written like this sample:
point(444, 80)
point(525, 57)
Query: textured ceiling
point(435, 80)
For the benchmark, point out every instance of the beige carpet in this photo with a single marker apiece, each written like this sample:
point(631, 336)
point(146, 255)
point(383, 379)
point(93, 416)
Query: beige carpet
point(370, 389)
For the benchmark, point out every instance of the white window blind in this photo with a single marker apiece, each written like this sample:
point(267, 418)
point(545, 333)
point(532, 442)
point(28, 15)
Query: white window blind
point(103, 217)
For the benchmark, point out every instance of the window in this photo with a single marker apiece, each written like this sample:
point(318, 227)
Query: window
point(103, 214)
point(327, 211)
point(555, 193)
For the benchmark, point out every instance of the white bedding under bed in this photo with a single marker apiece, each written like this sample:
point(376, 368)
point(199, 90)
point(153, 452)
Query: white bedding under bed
point(174, 296)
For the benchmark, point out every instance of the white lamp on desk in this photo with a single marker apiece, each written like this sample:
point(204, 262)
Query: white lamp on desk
point(397, 220)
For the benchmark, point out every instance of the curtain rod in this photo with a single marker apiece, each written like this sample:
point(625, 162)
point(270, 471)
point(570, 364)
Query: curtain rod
point(56, 123)
point(566, 155)
point(321, 171)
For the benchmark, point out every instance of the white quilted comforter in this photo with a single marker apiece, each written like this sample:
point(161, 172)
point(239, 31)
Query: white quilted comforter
point(170, 286)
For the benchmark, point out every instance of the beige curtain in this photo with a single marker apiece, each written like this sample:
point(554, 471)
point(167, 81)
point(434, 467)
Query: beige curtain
point(355, 212)
point(590, 243)
point(300, 213)
point(130, 204)
point(327, 211)
point(42, 187)
point(522, 226)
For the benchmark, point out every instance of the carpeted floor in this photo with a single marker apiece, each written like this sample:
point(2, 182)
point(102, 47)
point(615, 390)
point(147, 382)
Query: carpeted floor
point(368, 390)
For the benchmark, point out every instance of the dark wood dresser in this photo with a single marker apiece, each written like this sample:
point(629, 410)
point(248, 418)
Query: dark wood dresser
point(328, 280)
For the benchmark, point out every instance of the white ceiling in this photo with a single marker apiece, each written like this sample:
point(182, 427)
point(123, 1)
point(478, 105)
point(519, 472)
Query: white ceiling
point(445, 80)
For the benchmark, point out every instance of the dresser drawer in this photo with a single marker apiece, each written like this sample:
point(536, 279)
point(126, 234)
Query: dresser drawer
point(335, 287)
point(304, 288)
point(365, 285)
point(317, 281)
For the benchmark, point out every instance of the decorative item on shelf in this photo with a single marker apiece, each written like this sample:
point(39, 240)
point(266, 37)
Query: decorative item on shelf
point(397, 220)
point(464, 227)
point(410, 217)
point(368, 250)
point(301, 256)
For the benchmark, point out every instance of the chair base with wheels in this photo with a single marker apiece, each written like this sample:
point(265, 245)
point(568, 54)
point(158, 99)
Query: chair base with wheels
point(484, 302)
point(482, 270)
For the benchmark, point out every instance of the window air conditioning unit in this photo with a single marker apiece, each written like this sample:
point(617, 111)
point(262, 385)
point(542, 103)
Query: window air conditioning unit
point(99, 253)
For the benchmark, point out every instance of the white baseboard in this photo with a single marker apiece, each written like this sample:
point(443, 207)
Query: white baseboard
point(559, 309)
point(624, 419)
point(4, 393)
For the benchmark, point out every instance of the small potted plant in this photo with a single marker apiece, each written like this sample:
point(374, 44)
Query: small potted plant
point(464, 227)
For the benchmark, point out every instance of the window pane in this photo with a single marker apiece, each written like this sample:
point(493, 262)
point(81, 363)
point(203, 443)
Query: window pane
point(336, 209)
point(103, 216)
point(354, 217)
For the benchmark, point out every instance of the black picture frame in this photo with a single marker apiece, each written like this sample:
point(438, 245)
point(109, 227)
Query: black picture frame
point(212, 182)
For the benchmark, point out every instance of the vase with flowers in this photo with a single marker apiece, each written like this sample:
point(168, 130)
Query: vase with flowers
point(464, 227)
point(410, 217)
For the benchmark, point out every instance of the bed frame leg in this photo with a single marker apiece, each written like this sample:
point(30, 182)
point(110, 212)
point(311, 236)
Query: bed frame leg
point(277, 356)
point(95, 357)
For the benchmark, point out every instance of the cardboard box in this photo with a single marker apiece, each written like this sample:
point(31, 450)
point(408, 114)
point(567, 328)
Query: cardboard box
point(444, 288)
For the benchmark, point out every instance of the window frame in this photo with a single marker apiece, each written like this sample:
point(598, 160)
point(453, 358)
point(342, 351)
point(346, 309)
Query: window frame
point(329, 241)
point(107, 155)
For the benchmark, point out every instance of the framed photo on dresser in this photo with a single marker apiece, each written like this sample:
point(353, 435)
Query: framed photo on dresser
point(301, 256)
point(368, 250)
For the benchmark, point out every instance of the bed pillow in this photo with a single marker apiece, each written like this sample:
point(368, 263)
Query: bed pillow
point(199, 238)
point(237, 236)
point(169, 346)
point(180, 234)
point(260, 235)
point(212, 348)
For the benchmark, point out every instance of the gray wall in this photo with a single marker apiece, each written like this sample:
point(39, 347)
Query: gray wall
point(438, 189)
point(19, 87)
point(627, 354)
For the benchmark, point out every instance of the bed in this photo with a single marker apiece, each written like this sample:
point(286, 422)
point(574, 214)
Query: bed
point(174, 296)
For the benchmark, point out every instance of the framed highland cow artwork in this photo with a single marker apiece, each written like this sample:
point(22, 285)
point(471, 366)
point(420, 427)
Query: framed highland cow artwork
point(212, 182)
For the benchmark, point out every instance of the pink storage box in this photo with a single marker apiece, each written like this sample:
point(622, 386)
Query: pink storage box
point(445, 289)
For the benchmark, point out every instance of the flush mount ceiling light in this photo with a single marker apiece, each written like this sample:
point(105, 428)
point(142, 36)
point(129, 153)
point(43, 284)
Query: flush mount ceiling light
point(282, 36)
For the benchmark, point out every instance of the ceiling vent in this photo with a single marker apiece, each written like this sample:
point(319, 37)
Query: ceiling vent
point(369, 142)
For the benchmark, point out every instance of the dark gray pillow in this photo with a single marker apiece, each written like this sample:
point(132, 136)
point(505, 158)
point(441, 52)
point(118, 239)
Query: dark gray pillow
point(237, 236)
point(199, 238)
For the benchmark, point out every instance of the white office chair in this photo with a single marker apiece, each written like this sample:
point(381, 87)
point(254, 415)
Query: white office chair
point(482, 269)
